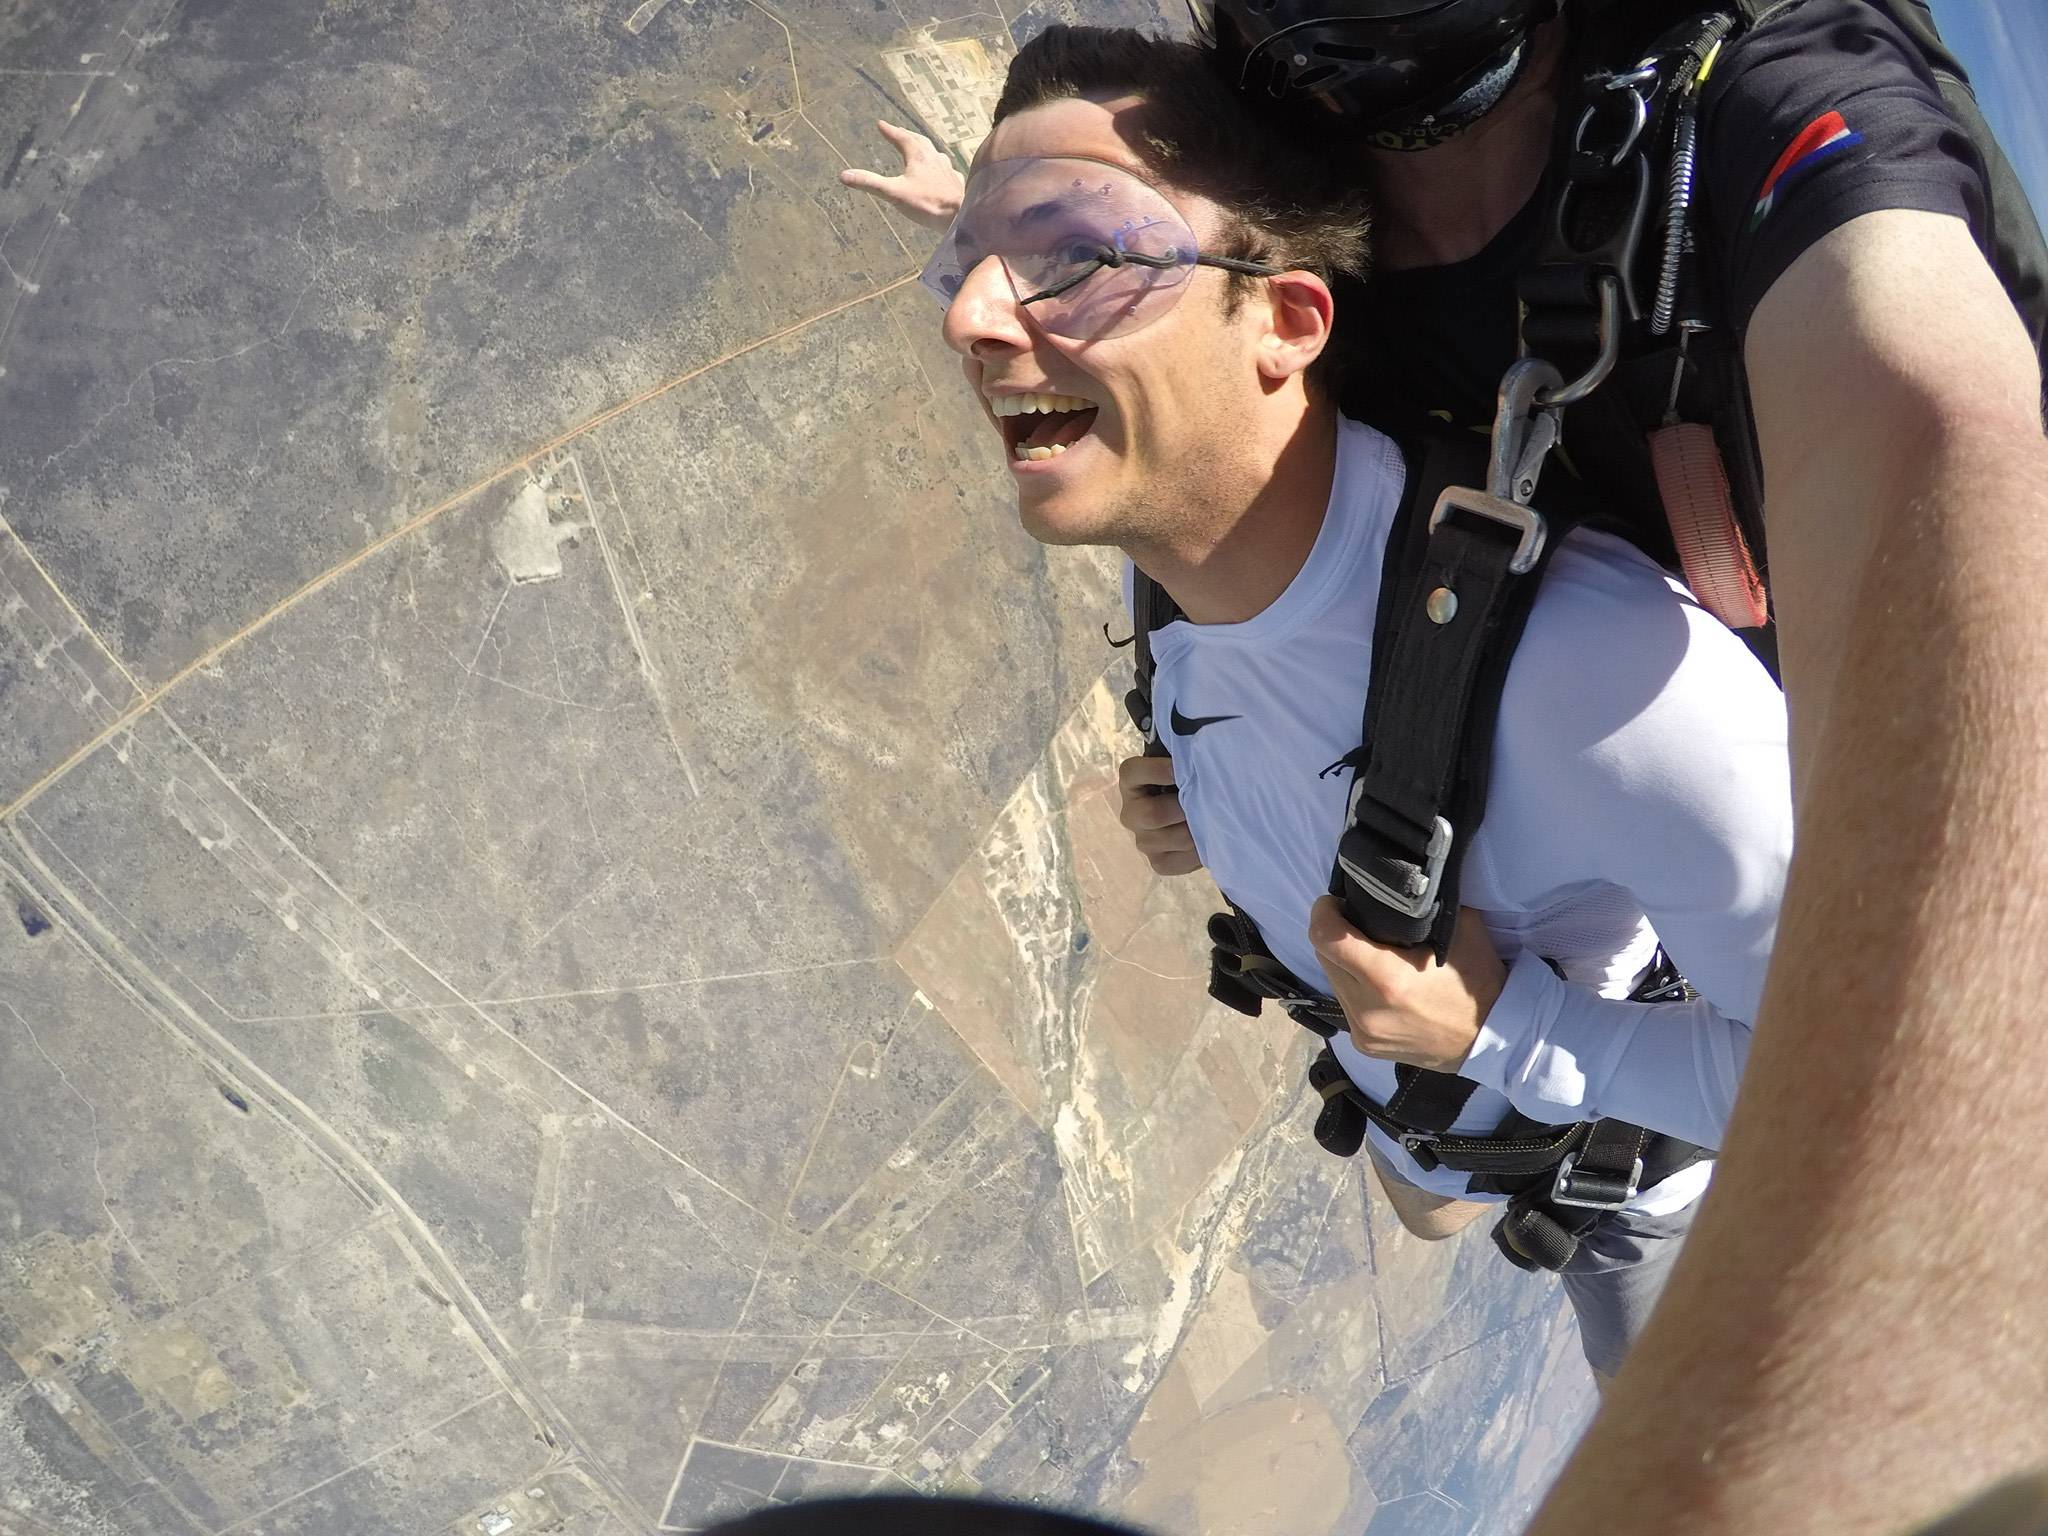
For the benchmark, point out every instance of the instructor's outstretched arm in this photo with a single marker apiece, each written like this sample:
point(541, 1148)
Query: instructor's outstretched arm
point(927, 189)
point(1855, 1338)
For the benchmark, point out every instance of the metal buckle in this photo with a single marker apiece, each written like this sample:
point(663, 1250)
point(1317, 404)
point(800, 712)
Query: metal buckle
point(1560, 1187)
point(1315, 1017)
point(1418, 1141)
point(1526, 521)
point(1410, 903)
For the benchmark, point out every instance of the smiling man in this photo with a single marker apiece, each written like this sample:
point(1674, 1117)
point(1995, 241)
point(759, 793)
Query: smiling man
point(1144, 320)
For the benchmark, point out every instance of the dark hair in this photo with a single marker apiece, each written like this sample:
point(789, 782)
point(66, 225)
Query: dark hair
point(1286, 200)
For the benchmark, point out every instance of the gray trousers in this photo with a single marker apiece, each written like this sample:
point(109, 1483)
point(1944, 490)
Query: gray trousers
point(1617, 1275)
point(1614, 1279)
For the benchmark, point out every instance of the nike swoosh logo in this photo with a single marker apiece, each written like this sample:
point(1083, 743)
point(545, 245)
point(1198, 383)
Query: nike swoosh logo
point(1183, 726)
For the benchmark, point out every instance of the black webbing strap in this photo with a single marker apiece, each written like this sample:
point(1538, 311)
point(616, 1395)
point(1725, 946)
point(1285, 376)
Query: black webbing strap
point(1440, 662)
point(1151, 608)
point(1545, 1221)
point(1244, 974)
point(1560, 1179)
point(1428, 1101)
point(1506, 1160)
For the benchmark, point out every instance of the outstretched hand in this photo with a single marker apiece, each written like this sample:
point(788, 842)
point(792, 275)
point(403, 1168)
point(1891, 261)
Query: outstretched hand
point(928, 189)
point(1402, 1005)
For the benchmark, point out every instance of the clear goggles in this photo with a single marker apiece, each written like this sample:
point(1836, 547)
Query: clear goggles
point(1090, 248)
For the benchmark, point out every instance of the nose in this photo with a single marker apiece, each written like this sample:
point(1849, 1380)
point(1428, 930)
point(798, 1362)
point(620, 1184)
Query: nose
point(984, 319)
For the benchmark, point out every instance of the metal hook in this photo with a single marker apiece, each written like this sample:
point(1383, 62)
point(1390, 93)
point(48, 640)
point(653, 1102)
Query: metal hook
point(1610, 350)
point(1639, 120)
point(1525, 429)
point(1643, 74)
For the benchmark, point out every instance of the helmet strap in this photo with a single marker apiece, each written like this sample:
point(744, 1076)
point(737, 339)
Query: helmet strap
point(1458, 114)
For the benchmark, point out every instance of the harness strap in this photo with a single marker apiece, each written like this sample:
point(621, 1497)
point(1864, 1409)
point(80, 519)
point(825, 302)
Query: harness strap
point(1426, 1104)
point(1560, 1179)
point(1243, 975)
point(1428, 1101)
point(1445, 635)
point(1151, 608)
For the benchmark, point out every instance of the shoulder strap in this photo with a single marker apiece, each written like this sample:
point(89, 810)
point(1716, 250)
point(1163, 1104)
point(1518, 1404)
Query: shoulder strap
point(1151, 608)
point(1453, 600)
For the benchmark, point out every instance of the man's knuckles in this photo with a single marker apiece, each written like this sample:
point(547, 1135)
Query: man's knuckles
point(1151, 812)
point(1174, 839)
point(1335, 940)
point(1371, 1033)
point(1133, 772)
point(1328, 931)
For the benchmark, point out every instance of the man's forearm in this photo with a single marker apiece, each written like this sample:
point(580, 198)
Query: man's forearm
point(1558, 1050)
point(1855, 1338)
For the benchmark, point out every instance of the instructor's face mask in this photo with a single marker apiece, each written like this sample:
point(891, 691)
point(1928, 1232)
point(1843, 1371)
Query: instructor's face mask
point(1089, 249)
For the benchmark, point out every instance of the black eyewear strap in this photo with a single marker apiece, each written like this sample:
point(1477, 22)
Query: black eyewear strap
point(1108, 256)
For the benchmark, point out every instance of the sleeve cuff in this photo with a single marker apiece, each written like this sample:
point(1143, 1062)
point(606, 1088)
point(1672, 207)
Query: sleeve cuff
point(1512, 1023)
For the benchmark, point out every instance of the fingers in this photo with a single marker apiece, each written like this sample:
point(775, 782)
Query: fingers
point(1164, 840)
point(1149, 808)
point(1147, 798)
point(1184, 862)
point(1400, 1003)
point(1151, 813)
point(1135, 773)
point(1330, 933)
point(905, 139)
point(866, 181)
point(1341, 947)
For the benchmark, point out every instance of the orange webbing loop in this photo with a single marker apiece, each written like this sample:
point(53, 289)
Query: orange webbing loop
point(1718, 565)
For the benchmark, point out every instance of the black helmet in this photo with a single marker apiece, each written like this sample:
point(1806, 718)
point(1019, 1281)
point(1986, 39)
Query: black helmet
point(1379, 64)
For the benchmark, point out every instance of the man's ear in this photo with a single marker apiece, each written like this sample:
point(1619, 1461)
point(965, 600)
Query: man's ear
point(1298, 314)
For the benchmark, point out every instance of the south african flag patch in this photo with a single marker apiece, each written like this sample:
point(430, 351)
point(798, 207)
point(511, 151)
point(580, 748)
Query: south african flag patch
point(1826, 136)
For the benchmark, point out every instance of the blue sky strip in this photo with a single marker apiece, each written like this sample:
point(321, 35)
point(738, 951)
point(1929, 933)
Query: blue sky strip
point(2004, 45)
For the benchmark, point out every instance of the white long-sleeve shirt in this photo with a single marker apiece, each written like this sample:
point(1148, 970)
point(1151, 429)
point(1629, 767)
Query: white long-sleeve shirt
point(1640, 792)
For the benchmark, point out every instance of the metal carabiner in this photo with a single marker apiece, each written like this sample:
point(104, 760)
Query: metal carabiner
point(1638, 122)
point(1525, 429)
point(1610, 350)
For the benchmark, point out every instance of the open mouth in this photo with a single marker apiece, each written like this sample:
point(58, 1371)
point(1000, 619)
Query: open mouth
point(1039, 426)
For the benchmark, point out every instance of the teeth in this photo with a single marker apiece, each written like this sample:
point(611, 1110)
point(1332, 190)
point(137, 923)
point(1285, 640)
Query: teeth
point(1037, 404)
point(1040, 453)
